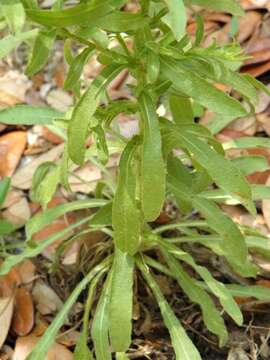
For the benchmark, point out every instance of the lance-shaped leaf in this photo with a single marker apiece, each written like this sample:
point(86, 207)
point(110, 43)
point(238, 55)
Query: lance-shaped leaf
point(247, 142)
point(41, 349)
point(222, 171)
point(230, 6)
point(119, 20)
point(77, 15)
point(181, 109)
point(233, 242)
point(76, 68)
point(211, 316)
point(12, 260)
point(176, 18)
point(40, 220)
point(82, 117)
point(152, 181)
point(183, 346)
point(14, 14)
point(216, 287)
point(121, 301)
point(82, 351)
point(28, 115)
point(188, 82)
point(100, 326)
point(41, 51)
point(126, 217)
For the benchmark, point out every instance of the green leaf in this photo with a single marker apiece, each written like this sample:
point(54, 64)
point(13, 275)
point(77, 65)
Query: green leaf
point(230, 6)
point(13, 260)
point(42, 347)
point(14, 14)
point(100, 326)
point(183, 346)
point(10, 42)
point(211, 316)
point(247, 142)
point(152, 181)
point(119, 20)
point(216, 287)
point(222, 171)
point(256, 291)
point(176, 18)
point(28, 115)
point(4, 188)
point(233, 242)
point(41, 51)
point(126, 217)
point(121, 356)
point(153, 66)
point(103, 216)
point(181, 109)
point(121, 302)
point(250, 164)
point(188, 82)
point(47, 186)
point(82, 117)
point(6, 227)
point(82, 351)
point(77, 15)
point(39, 221)
point(76, 68)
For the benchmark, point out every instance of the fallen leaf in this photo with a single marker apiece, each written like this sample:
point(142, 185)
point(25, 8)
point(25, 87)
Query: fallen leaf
point(59, 100)
point(6, 311)
point(22, 178)
point(46, 300)
point(247, 25)
point(257, 71)
point(9, 282)
point(12, 146)
point(14, 84)
point(27, 270)
point(51, 137)
point(19, 213)
point(24, 345)
point(23, 318)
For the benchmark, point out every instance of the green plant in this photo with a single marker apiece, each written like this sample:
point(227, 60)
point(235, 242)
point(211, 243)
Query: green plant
point(166, 66)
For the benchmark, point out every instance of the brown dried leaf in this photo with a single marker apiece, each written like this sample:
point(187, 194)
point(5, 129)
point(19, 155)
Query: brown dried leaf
point(23, 318)
point(22, 179)
point(24, 345)
point(12, 146)
point(46, 300)
point(19, 213)
point(6, 311)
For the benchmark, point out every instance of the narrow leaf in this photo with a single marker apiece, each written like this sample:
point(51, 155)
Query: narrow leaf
point(41, 51)
point(41, 349)
point(211, 316)
point(100, 326)
point(39, 221)
point(183, 346)
point(126, 217)
point(176, 18)
point(28, 115)
point(152, 164)
point(121, 302)
point(82, 117)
